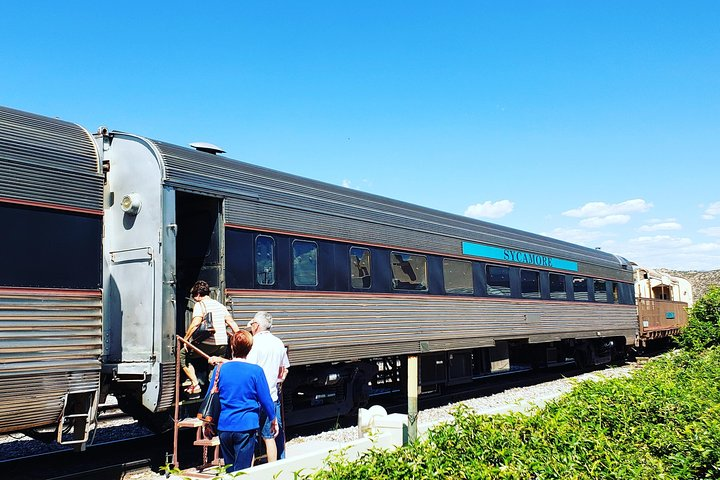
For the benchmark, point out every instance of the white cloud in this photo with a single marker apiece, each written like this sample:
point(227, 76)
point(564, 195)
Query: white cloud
point(707, 247)
point(602, 209)
point(711, 232)
point(595, 222)
point(665, 251)
point(663, 240)
point(652, 251)
point(364, 184)
point(490, 209)
point(660, 226)
point(712, 211)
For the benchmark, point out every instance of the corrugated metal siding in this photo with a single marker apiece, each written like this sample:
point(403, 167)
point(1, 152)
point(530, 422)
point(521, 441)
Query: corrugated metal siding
point(50, 345)
point(48, 161)
point(653, 316)
point(331, 327)
point(266, 199)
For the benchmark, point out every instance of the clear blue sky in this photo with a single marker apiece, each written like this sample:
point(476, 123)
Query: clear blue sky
point(597, 122)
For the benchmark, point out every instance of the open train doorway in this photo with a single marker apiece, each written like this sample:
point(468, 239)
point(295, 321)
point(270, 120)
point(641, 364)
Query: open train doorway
point(199, 250)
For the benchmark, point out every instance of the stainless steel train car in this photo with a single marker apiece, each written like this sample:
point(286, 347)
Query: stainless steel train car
point(106, 232)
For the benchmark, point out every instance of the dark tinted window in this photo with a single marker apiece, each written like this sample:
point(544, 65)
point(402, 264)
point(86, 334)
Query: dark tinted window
point(360, 267)
point(616, 292)
point(498, 280)
point(409, 271)
point(304, 263)
point(264, 260)
point(458, 276)
point(600, 291)
point(50, 248)
point(530, 283)
point(558, 288)
point(580, 288)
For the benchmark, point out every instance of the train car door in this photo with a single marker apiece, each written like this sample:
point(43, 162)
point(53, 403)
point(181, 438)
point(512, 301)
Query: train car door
point(199, 250)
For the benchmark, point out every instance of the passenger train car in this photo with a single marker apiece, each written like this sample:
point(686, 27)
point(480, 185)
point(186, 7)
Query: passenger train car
point(105, 232)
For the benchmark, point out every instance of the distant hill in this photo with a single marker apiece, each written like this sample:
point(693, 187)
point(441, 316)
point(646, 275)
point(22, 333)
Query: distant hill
point(700, 281)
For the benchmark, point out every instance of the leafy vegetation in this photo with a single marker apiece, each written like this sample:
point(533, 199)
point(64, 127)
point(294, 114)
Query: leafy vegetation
point(703, 328)
point(662, 422)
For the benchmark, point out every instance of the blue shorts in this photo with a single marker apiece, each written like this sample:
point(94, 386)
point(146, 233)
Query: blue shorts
point(265, 422)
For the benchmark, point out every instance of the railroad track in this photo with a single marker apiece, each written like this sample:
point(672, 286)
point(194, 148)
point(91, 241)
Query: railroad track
point(107, 460)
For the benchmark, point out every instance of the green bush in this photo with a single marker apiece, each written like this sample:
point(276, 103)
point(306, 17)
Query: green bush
point(703, 328)
point(663, 422)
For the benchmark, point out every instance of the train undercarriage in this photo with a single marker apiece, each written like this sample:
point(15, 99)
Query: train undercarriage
point(325, 391)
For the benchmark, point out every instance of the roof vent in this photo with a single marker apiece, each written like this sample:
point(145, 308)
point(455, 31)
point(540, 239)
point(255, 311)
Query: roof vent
point(207, 147)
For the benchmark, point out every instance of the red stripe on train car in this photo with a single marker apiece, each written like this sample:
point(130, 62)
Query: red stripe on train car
point(65, 208)
point(50, 291)
point(418, 296)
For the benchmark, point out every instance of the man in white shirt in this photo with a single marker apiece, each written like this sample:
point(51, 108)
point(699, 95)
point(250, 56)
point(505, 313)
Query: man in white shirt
point(269, 352)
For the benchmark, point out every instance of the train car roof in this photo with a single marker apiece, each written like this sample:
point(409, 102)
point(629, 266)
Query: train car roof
point(200, 171)
point(48, 161)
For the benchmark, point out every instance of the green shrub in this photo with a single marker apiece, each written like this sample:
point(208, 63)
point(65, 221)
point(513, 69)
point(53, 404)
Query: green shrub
point(703, 328)
point(663, 422)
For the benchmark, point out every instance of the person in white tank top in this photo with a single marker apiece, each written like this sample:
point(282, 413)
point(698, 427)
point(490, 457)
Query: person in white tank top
point(214, 345)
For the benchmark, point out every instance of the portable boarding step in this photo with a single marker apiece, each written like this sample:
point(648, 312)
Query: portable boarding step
point(201, 441)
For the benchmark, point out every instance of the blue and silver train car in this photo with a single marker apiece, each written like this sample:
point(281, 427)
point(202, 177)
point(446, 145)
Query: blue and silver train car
point(119, 227)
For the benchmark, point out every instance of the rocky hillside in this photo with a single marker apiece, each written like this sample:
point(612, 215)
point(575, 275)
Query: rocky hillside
point(700, 281)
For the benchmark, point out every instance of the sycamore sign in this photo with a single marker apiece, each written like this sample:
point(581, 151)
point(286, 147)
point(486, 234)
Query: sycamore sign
point(516, 256)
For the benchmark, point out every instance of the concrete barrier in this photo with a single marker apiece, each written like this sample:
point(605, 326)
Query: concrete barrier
point(376, 430)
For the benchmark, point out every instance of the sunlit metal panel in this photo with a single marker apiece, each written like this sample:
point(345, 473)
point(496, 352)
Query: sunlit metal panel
point(320, 327)
point(48, 161)
point(50, 346)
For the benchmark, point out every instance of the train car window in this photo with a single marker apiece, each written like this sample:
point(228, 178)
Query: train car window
point(457, 276)
point(616, 292)
point(360, 267)
point(530, 283)
point(580, 289)
point(265, 260)
point(72, 259)
point(600, 291)
point(498, 280)
point(409, 271)
point(304, 263)
point(558, 287)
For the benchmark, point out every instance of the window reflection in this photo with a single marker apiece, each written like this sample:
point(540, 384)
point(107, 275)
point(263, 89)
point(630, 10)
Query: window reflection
point(360, 267)
point(498, 280)
point(409, 271)
point(264, 260)
point(304, 263)
point(458, 276)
